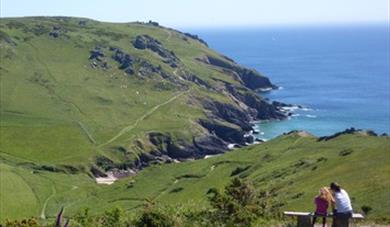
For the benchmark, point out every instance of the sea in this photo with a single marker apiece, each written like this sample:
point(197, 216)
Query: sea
point(339, 74)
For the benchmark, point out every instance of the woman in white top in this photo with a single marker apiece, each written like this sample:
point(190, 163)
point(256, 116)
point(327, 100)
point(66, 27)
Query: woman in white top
point(342, 208)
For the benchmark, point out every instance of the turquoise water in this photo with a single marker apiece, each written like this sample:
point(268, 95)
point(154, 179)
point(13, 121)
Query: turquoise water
point(341, 74)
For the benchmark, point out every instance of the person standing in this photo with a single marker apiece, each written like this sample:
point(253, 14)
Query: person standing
point(342, 207)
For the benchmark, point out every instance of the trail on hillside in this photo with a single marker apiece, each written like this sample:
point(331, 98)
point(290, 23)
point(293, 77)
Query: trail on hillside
point(151, 111)
point(90, 137)
point(53, 193)
point(169, 34)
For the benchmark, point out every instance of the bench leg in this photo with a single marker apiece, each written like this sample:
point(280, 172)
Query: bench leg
point(304, 221)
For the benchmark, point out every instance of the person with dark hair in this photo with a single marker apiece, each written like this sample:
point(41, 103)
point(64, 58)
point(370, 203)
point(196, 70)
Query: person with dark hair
point(342, 208)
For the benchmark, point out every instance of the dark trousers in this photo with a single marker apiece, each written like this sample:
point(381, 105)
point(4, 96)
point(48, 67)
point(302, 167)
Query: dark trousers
point(315, 219)
point(341, 219)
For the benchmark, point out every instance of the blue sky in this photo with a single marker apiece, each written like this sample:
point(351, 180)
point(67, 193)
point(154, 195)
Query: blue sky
point(194, 13)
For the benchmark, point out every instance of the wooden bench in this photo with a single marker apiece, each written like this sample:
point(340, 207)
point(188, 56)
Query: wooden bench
point(304, 219)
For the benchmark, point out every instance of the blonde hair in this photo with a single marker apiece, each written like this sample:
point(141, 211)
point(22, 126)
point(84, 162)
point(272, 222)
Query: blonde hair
point(325, 194)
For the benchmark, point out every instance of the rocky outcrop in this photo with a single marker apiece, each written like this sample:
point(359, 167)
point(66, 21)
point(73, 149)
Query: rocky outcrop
point(196, 37)
point(167, 148)
point(147, 42)
point(249, 77)
point(348, 131)
point(253, 80)
point(227, 133)
point(125, 60)
point(55, 32)
point(147, 68)
point(210, 145)
point(127, 63)
point(229, 113)
point(196, 80)
point(96, 172)
point(153, 23)
point(261, 109)
point(96, 54)
point(97, 58)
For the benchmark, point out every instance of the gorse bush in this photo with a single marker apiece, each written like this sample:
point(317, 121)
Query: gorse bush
point(31, 222)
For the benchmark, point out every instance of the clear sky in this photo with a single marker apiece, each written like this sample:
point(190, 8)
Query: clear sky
point(190, 13)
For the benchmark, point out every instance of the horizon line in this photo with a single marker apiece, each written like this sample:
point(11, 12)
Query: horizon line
point(233, 26)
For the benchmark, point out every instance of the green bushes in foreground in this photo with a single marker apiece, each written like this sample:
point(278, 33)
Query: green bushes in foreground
point(238, 205)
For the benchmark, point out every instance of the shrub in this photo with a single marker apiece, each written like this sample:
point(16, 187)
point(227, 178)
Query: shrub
point(239, 170)
point(113, 217)
point(152, 216)
point(31, 222)
point(366, 209)
point(239, 205)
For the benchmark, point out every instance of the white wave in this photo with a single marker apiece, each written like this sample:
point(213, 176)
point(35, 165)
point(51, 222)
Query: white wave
point(265, 89)
point(290, 108)
point(306, 109)
point(311, 116)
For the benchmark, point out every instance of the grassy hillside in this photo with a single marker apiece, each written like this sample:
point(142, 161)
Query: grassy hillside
point(73, 89)
point(80, 98)
point(292, 168)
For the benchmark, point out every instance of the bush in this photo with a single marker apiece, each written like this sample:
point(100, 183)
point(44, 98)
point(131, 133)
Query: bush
point(239, 205)
point(366, 209)
point(111, 218)
point(239, 170)
point(152, 216)
point(31, 222)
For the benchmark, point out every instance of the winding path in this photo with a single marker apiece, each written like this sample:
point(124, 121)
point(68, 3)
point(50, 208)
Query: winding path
point(90, 137)
point(169, 34)
point(53, 193)
point(151, 111)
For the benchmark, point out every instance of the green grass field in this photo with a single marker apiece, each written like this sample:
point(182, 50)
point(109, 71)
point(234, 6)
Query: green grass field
point(58, 114)
point(292, 167)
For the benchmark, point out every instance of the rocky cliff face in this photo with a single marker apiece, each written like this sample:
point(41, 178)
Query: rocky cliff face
point(249, 77)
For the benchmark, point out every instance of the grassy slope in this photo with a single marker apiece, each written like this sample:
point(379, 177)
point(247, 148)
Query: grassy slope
point(56, 110)
point(53, 99)
point(274, 166)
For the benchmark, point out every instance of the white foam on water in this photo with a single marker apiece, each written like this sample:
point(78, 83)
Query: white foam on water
point(289, 108)
point(306, 109)
point(265, 89)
